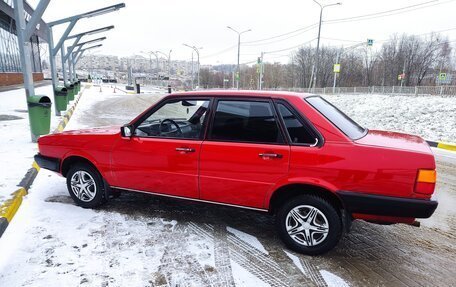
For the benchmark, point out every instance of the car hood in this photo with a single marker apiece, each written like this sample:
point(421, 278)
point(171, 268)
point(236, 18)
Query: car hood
point(395, 140)
point(110, 130)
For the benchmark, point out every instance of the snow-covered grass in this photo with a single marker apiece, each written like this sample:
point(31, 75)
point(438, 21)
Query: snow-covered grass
point(16, 147)
point(431, 117)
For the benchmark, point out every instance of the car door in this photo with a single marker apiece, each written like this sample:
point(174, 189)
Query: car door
point(162, 155)
point(245, 153)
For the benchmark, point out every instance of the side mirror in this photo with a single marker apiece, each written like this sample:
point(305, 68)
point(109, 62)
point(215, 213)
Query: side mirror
point(126, 131)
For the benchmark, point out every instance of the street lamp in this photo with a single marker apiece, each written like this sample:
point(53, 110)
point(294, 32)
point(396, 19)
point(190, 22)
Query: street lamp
point(239, 52)
point(70, 54)
point(198, 55)
point(169, 61)
point(91, 32)
point(53, 50)
point(315, 67)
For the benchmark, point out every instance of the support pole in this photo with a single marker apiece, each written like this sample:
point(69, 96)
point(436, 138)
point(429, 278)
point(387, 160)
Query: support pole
point(261, 71)
point(64, 74)
point(335, 74)
point(24, 32)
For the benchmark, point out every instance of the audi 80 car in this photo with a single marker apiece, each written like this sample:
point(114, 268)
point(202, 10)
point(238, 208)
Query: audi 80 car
point(293, 155)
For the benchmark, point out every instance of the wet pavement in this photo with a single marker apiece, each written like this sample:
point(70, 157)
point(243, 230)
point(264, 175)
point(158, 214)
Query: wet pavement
point(370, 255)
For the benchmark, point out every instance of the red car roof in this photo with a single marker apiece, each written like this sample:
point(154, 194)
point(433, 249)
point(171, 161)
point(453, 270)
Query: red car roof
point(242, 93)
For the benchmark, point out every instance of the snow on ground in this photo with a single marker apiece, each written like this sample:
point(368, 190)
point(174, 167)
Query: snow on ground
point(244, 278)
point(431, 117)
point(65, 245)
point(16, 147)
point(247, 238)
point(61, 244)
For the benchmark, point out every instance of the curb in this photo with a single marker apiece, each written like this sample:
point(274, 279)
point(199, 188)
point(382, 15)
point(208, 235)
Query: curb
point(9, 208)
point(442, 145)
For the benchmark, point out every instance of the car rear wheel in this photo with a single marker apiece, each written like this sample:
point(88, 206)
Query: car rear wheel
point(85, 186)
point(309, 224)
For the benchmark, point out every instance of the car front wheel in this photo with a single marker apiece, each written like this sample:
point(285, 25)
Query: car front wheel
point(309, 224)
point(85, 186)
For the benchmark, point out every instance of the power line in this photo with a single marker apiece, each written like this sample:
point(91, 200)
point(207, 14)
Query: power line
point(219, 52)
point(386, 13)
point(284, 34)
point(290, 48)
point(383, 12)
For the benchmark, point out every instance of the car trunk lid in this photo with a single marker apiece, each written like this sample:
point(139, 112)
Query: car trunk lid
point(395, 140)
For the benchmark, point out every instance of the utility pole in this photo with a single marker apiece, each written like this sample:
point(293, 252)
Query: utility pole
point(335, 73)
point(317, 61)
point(193, 77)
point(260, 80)
point(238, 73)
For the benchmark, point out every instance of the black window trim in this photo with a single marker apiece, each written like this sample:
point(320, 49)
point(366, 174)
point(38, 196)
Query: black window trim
point(165, 101)
point(304, 121)
point(244, 99)
point(337, 127)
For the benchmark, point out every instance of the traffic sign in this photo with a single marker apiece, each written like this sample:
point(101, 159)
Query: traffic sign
point(336, 68)
point(370, 42)
point(442, 76)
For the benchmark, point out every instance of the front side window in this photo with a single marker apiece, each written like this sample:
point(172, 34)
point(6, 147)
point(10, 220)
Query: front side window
point(297, 131)
point(344, 123)
point(245, 121)
point(175, 119)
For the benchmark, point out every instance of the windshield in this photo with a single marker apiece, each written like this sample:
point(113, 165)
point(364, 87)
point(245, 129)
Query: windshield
point(348, 126)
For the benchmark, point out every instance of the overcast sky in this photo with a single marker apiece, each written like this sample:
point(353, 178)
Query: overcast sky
point(167, 24)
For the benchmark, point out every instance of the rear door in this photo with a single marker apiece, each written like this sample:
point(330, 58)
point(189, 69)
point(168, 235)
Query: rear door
point(245, 153)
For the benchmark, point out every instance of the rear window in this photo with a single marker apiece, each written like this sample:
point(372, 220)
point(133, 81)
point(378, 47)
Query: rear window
point(348, 126)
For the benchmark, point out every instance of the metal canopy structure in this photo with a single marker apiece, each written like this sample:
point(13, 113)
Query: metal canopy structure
point(76, 56)
point(54, 49)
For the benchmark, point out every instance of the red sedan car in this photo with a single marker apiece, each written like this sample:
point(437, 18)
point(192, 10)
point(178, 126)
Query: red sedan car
point(293, 155)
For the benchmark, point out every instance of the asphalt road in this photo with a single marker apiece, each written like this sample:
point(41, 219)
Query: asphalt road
point(370, 255)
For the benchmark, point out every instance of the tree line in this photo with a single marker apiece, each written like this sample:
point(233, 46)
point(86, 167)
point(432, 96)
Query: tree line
point(420, 59)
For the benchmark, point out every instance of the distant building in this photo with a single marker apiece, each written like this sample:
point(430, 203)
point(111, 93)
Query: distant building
point(10, 62)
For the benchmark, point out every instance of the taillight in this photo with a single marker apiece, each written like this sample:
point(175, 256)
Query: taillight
point(425, 181)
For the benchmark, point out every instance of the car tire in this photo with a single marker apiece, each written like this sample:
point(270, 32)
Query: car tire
point(85, 186)
point(309, 224)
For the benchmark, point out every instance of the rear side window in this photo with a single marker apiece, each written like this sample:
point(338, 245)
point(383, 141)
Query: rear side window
point(298, 132)
point(245, 121)
point(348, 126)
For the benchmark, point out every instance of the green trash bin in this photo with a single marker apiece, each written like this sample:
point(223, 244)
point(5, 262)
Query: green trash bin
point(60, 96)
point(70, 89)
point(39, 108)
point(76, 88)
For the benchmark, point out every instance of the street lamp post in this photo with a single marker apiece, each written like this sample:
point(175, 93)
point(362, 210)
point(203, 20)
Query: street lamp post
point(317, 61)
point(239, 53)
point(169, 62)
point(75, 56)
point(53, 50)
point(194, 48)
point(77, 38)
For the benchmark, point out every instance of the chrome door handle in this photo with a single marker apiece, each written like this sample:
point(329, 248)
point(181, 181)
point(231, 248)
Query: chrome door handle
point(185, 149)
point(270, 155)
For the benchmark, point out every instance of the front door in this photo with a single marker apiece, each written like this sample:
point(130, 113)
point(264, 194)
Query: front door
point(245, 153)
point(162, 155)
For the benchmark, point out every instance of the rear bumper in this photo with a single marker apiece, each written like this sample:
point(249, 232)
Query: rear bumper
point(49, 163)
point(387, 205)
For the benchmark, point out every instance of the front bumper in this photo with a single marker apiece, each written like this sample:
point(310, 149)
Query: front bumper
point(387, 205)
point(49, 163)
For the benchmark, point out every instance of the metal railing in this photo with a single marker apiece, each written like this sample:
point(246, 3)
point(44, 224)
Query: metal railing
point(395, 90)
